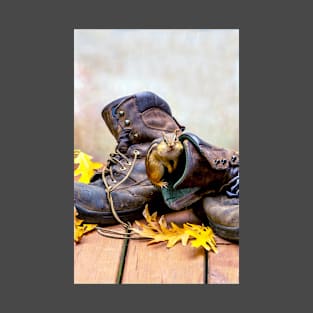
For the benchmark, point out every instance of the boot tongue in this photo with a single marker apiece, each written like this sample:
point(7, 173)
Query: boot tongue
point(123, 140)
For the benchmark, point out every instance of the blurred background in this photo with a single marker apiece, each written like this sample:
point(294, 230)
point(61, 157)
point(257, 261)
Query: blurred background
point(195, 70)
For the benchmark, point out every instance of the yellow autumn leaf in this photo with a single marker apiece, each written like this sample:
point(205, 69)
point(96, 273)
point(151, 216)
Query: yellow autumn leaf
point(158, 230)
point(203, 236)
point(80, 229)
point(172, 236)
point(86, 168)
point(184, 236)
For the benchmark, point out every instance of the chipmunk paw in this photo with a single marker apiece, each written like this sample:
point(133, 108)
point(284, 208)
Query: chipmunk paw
point(162, 184)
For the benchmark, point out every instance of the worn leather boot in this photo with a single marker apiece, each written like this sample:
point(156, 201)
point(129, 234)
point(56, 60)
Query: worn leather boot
point(221, 213)
point(121, 191)
point(207, 179)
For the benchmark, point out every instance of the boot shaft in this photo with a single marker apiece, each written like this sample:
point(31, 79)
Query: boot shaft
point(203, 170)
point(139, 118)
point(206, 165)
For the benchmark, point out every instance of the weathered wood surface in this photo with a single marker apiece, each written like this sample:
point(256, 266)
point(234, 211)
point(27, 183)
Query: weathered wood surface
point(157, 264)
point(97, 258)
point(223, 267)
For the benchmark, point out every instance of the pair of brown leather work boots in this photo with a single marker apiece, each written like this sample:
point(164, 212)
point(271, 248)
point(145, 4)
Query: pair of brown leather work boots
point(206, 178)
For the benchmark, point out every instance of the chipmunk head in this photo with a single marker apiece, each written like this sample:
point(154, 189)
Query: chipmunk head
point(171, 138)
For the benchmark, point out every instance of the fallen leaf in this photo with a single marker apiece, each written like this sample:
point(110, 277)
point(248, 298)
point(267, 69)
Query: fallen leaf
point(203, 236)
point(158, 230)
point(86, 168)
point(80, 229)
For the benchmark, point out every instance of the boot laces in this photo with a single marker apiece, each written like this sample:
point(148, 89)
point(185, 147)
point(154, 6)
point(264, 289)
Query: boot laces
point(231, 188)
point(117, 158)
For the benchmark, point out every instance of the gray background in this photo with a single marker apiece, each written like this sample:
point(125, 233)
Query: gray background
point(195, 70)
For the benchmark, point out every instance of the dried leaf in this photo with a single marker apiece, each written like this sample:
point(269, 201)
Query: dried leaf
point(86, 167)
point(158, 230)
point(203, 235)
point(81, 229)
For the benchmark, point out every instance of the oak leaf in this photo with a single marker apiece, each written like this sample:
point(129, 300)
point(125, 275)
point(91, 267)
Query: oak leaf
point(203, 236)
point(80, 228)
point(158, 230)
point(86, 168)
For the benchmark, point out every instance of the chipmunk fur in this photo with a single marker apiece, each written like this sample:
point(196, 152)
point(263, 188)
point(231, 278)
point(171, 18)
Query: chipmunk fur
point(163, 156)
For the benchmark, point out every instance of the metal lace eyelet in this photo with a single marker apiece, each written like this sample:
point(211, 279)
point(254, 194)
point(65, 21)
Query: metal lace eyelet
point(121, 113)
point(136, 152)
point(136, 135)
point(123, 168)
point(127, 122)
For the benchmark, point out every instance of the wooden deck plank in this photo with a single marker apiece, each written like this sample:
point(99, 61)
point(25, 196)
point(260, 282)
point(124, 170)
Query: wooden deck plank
point(223, 267)
point(96, 258)
point(156, 264)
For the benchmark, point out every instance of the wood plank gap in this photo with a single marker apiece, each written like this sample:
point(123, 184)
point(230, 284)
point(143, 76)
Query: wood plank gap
point(122, 259)
point(206, 267)
point(96, 258)
point(224, 266)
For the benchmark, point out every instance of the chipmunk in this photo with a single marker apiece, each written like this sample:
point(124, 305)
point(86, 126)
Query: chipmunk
point(163, 155)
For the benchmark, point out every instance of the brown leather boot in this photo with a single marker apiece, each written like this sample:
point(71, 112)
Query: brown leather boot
point(120, 193)
point(207, 178)
point(221, 213)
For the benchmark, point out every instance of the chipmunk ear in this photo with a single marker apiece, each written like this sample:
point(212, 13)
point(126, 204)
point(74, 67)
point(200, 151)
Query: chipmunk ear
point(178, 132)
